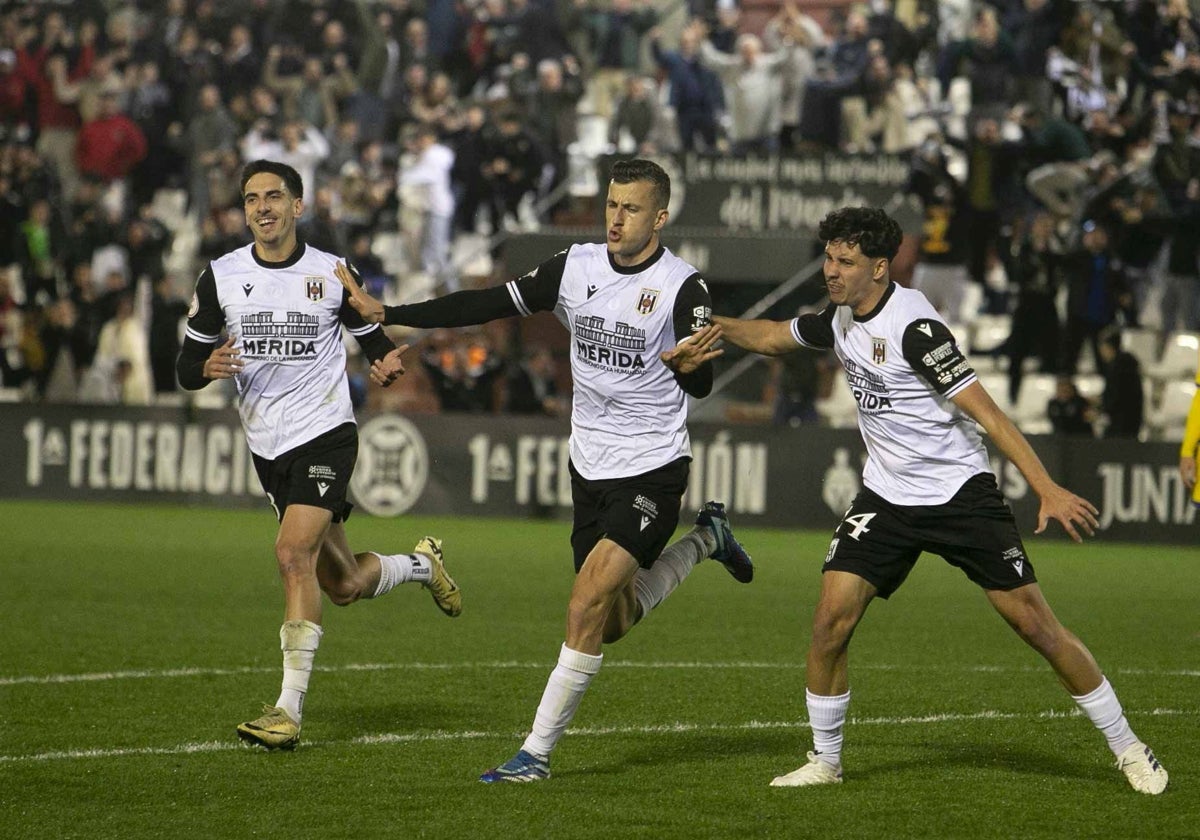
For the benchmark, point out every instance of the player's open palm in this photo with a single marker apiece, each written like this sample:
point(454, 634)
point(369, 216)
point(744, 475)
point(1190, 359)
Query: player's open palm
point(368, 307)
point(387, 370)
point(698, 348)
point(1071, 511)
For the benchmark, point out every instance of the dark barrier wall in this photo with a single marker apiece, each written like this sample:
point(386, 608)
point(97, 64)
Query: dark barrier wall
point(507, 466)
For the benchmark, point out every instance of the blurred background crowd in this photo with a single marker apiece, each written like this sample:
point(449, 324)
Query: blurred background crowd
point(1054, 158)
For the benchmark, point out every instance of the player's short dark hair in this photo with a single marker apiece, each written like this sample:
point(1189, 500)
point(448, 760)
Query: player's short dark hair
point(291, 178)
point(639, 169)
point(874, 232)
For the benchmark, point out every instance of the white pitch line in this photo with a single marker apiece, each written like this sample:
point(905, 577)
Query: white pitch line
point(678, 727)
point(174, 673)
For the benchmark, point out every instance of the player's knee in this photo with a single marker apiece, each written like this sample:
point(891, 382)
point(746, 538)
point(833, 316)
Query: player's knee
point(341, 594)
point(294, 561)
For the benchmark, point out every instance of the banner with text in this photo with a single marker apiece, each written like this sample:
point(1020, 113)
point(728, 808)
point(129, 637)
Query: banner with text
point(517, 467)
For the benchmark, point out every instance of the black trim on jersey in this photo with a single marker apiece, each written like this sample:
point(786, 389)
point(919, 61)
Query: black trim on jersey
point(693, 312)
point(816, 328)
point(539, 288)
point(934, 355)
point(640, 267)
point(887, 295)
point(459, 309)
point(189, 367)
point(288, 262)
point(207, 320)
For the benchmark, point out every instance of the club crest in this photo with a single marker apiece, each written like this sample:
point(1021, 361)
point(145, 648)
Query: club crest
point(315, 287)
point(646, 301)
point(878, 350)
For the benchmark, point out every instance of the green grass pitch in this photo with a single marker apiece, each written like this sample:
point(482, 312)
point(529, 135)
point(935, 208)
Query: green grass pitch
point(133, 639)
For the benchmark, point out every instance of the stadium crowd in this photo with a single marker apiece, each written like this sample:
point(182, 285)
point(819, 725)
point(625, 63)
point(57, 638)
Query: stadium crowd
point(1054, 145)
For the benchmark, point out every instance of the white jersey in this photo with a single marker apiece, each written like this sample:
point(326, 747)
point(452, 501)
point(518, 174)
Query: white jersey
point(903, 367)
point(286, 319)
point(629, 414)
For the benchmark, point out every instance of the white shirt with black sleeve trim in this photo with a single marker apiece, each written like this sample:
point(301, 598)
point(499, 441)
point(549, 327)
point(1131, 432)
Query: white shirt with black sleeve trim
point(904, 366)
point(286, 319)
point(629, 414)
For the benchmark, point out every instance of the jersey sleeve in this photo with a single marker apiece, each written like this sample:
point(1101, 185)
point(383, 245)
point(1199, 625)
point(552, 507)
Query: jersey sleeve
point(206, 319)
point(693, 312)
point(204, 324)
point(370, 337)
point(815, 329)
point(537, 291)
point(930, 348)
point(693, 307)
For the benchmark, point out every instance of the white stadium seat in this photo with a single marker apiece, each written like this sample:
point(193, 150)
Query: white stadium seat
point(1179, 358)
point(1167, 419)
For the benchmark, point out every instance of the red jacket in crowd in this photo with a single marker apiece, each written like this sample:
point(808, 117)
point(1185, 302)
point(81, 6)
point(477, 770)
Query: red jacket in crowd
point(109, 147)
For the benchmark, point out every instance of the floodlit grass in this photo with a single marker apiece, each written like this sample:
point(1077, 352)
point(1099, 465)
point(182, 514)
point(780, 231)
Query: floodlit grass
point(133, 639)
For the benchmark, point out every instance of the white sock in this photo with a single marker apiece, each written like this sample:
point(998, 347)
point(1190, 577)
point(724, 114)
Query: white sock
point(653, 585)
point(395, 569)
point(826, 716)
point(299, 640)
point(1104, 710)
point(568, 681)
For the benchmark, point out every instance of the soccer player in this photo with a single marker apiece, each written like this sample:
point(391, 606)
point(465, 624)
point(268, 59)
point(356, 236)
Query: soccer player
point(1189, 452)
point(928, 487)
point(283, 313)
point(641, 342)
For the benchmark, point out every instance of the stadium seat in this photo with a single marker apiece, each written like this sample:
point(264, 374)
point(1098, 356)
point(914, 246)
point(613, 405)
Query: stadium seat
point(1090, 385)
point(1167, 419)
point(1179, 358)
point(1143, 344)
point(1029, 413)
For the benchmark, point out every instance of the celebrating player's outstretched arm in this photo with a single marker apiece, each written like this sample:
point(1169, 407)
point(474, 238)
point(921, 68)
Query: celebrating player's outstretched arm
point(364, 304)
point(694, 351)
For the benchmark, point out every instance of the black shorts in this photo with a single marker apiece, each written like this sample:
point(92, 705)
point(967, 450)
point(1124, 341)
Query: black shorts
point(975, 531)
point(638, 513)
point(316, 473)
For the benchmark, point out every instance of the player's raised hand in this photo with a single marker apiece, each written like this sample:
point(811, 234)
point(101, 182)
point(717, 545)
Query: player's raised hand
point(385, 371)
point(1068, 510)
point(368, 307)
point(225, 362)
point(698, 348)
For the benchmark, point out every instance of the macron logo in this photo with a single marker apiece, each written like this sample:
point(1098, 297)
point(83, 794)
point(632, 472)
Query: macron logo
point(925, 328)
point(322, 488)
point(1019, 565)
point(247, 289)
point(645, 522)
point(591, 291)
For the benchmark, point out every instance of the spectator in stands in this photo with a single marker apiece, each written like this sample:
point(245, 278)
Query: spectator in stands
point(514, 166)
point(46, 68)
point(988, 59)
point(424, 184)
point(636, 126)
point(753, 85)
point(38, 248)
point(879, 117)
point(696, 93)
point(110, 146)
point(941, 269)
point(306, 96)
point(471, 142)
point(1070, 413)
point(531, 387)
point(1177, 169)
point(120, 371)
point(166, 311)
point(1122, 402)
point(551, 109)
point(210, 134)
point(791, 24)
point(839, 74)
point(1034, 267)
point(1096, 292)
point(616, 37)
